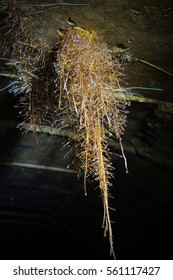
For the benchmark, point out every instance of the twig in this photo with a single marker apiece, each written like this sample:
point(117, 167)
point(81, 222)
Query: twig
point(140, 88)
point(60, 4)
point(154, 66)
point(37, 166)
point(149, 100)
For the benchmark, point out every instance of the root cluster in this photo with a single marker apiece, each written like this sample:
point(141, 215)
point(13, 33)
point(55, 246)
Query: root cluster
point(74, 85)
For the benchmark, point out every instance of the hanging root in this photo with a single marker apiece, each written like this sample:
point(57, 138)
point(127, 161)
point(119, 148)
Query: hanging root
point(88, 82)
point(29, 57)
